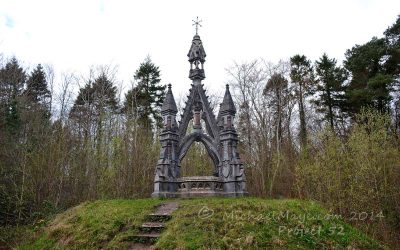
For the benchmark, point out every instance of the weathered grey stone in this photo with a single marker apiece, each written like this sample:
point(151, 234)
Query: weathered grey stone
point(220, 141)
point(169, 105)
point(197, 57)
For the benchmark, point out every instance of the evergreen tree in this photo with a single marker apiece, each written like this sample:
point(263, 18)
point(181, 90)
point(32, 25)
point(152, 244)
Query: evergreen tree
point(370, 84)
point(392, 39)
point(96, 97)
point(95, 100)
point(36, 86)
point(301, 75)
point(37, 93)
point(330, 88)
point(145, 100)
point(104, 95)
point(375, 71)
point(12, 80)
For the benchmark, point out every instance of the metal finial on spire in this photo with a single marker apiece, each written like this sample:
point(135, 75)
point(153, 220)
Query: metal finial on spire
point(197, 23)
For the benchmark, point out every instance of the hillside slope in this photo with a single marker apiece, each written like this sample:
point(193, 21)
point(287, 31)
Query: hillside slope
point(208, 223)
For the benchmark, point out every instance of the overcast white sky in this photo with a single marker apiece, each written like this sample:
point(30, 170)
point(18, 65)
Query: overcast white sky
point(73, 35)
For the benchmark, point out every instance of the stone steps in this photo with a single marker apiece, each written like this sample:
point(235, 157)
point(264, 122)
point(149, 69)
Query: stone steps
point(145, 238)
point(150, 231)
point(152, 227)
point(158, 217)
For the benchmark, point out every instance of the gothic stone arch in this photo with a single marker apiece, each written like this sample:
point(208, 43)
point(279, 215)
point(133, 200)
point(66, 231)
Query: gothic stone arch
point(220, 140)
point(208, 143)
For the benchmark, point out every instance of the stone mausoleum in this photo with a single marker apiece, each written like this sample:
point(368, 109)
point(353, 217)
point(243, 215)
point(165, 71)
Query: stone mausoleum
point(218, 135)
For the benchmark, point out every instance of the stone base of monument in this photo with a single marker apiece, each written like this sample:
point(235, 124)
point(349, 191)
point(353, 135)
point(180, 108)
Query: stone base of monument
point(199, 186)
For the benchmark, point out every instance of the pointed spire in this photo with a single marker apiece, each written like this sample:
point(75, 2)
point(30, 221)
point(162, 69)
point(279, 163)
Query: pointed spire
point(227, 106)
point(169, 105)
point(196, 51)
point(197, 57)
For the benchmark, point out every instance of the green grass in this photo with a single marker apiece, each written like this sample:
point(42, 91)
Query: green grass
point(94, 225)
point(206, 223)
point(253, 223)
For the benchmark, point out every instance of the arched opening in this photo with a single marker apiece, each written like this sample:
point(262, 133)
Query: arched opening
point(203, 156)
point(197, 161)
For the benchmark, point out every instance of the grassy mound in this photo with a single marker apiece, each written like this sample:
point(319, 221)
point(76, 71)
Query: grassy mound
point(102, 224)
point(212, 223)
point(259, 223)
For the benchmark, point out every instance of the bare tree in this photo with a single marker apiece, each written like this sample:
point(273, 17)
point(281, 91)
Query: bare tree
point(49, 72)
point(64, 97)
point(248, 79)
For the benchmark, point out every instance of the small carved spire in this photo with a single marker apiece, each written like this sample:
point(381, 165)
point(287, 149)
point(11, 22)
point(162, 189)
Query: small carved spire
point(197, 52)
point(197, 57)
point(169, 105)
point(227, 106)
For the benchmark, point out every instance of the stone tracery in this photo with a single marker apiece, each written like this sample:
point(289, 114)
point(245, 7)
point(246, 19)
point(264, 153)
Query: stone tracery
point(220, 140)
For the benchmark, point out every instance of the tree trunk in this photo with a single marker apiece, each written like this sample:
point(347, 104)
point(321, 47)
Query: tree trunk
point(303, 131)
